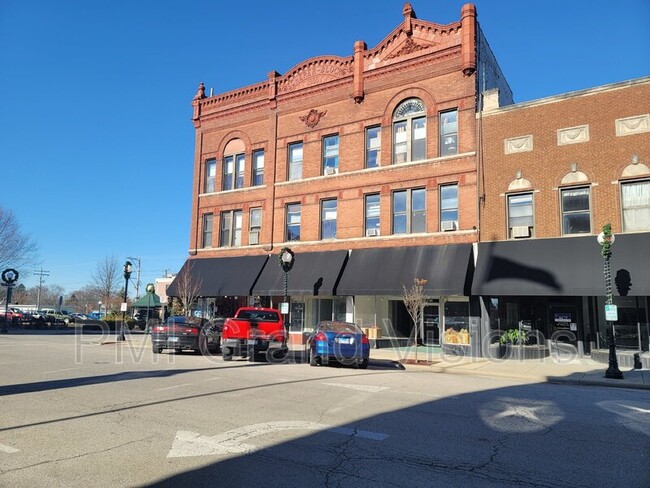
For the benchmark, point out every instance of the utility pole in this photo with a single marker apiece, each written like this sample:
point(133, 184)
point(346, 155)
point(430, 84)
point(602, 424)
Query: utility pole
point(41, 276)
point(137, 277)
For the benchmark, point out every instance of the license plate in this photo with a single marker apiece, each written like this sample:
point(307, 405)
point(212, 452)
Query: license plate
point(345, 340)
point(172, 339)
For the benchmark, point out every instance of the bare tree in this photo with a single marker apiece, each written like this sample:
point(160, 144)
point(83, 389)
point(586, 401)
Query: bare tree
point(414, 299)
point(106, 279)
point(188, 287)
point(17, 250)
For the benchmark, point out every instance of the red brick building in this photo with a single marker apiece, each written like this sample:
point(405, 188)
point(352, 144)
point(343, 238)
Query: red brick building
point(553, 172)
point(364, 165)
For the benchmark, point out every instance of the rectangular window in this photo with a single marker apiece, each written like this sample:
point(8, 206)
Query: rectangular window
point(295, 161)
point(240, 163)
point(372, 214)
point(409, 211)
point(231, 225)
point(449, 207)
point(576, 215)
point(400, 143)
point(520, 215)
point(255, 226)
point(228, 172)
point(448, 132)
point(293, 222)
point(373, 146)
point(210, 175)
point(207, 231)
point(419, 139)
point(331, 154)
point(636, 205)
point(258, 168)
point(328, 219)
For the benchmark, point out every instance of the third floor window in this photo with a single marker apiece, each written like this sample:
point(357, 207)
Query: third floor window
point(210, 175)
point(295, 161)
point(331, 154)
point(448, 133)
point(258, 168)
point(373, 146)
point(409, 132)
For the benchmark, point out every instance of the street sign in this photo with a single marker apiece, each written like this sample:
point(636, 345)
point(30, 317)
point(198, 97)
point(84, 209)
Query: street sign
point(611, 313)
point(284, 307)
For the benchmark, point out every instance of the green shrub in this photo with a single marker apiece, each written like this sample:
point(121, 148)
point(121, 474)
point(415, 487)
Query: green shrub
point(514, 336)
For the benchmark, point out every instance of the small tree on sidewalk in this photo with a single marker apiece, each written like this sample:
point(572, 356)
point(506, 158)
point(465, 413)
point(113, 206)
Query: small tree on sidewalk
point(188, 287)
point(414, 299)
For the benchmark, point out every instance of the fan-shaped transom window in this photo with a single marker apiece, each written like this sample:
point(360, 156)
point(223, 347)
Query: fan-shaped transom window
point(409, 132)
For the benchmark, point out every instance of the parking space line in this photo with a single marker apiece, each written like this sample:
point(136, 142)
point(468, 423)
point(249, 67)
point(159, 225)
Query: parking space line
point(175, 386)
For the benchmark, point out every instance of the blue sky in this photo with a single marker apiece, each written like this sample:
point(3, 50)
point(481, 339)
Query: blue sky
point(96, 146)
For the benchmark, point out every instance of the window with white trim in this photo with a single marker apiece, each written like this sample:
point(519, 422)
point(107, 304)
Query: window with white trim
point(409, 132)
point(448, 128)
point(520, 215)
point(258, 168)
point(576, 212)
point(295, 161)
point(635, 202)
point(210, 175)
point(409, 211)
point(231, 225)
point(207, 231)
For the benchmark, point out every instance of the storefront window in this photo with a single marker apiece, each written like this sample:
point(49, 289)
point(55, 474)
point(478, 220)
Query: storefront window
point(456, 323)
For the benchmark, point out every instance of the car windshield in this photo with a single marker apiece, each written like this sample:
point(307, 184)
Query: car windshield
point(182, 320)
point(339, 327)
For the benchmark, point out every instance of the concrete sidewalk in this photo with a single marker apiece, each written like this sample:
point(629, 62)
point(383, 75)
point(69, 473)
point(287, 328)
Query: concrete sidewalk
point(578, 371)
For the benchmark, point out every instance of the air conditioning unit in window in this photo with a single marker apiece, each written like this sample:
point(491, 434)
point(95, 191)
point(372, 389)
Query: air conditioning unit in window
point(520, 231)
point(329, 170)
point(448, 225)
point(254, 237)
point(372, 232)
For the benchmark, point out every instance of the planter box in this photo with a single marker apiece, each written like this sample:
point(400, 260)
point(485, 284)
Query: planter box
point(513, 351)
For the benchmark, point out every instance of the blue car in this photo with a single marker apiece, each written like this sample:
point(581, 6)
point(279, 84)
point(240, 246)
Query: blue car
point(343, 342)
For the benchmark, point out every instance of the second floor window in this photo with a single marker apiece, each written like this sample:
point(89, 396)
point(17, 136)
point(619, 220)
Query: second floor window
point(409, 132)
point(520, 215)
point(449, 207)
point(258, 168)
point(255, 226)
point(409, 211)
point(331, 154)
point(576, 216)
point(372, 215)
point(635, 196)
point(373, 146)
point(328, 219)
point(207, 231)
point(231, 223)
point(210, 175)
point(293, 222)
point(448, 133)
point(295, 161)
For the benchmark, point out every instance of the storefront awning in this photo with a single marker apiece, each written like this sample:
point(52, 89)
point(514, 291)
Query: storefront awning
point(313, 273)
point(218, 277)
point(569, 266)
point(383, 271)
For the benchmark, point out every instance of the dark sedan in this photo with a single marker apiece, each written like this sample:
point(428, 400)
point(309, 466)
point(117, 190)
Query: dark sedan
point(343, 342)
point(187, 333)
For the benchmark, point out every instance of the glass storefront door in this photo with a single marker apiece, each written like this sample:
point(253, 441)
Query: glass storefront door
point(430, 324)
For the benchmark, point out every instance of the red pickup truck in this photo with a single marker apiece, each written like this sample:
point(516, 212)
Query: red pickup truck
point(253, 331)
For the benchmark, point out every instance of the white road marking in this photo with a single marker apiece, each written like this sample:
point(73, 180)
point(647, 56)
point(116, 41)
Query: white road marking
point(214, 379)
point(59, 370)
point(8, 449)
point(175, 386)
point(366, 388)
point(187, 444)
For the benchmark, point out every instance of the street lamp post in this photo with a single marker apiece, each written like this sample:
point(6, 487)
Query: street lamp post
point(606, 239)
point(9, 278)
point(127, 275)
point(150, 290)
point(287, 259)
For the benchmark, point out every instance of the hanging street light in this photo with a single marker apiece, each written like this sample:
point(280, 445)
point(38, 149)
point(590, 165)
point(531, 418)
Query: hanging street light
point(287, 259)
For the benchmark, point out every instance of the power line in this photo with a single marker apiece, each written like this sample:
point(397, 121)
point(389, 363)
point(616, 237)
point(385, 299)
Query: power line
point(41, 276)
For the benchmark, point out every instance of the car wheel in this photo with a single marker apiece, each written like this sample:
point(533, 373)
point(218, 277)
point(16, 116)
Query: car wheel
point(156, 349)
point(313, 360)
point(364, 364)
point(227, 354)
point(203, 345)
point(178, 350)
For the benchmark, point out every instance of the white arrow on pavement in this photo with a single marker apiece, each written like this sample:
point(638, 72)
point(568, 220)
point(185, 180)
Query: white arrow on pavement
point(187, 444)
point(8, 449)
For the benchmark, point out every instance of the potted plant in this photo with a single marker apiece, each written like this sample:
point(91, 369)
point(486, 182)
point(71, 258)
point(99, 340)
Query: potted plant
point(515, 343)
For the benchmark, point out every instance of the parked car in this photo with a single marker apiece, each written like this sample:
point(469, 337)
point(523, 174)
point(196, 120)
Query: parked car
point(253, 332)
point(187, 333)
point(343, 342)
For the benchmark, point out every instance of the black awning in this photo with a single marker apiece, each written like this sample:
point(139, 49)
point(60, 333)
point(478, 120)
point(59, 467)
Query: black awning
point(569, 266)
point(313, 273)
point(383, 271)
point(218, 277)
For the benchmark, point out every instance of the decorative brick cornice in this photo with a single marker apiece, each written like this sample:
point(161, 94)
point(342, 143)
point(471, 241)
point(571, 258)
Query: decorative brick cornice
point(409, 47)
point(315, 71)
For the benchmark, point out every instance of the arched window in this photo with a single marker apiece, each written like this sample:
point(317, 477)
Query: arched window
point(409, 131)
point(234, 165)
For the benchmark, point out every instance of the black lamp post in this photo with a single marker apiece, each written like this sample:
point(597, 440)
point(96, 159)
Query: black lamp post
point(9, 278)
point(287, 259)
point(127, 275)
point(150, 290)
point(606, 239)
